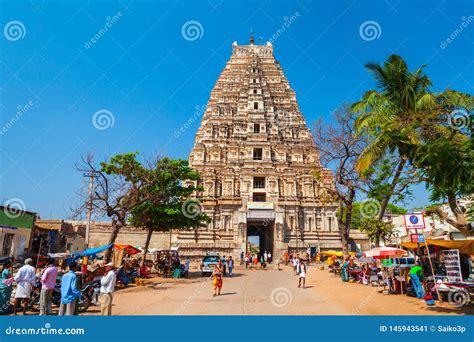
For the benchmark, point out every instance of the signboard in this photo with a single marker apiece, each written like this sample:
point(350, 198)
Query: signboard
point(260, 205)
point(452, 263)
point(414, 221)
point(417, 238)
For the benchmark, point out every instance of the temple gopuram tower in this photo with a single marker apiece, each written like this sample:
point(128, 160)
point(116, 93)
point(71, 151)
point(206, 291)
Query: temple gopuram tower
point(263, 182)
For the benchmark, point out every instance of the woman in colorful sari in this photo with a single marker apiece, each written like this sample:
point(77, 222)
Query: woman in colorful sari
point(217, 278)
point(5, 288)
point(344, 271)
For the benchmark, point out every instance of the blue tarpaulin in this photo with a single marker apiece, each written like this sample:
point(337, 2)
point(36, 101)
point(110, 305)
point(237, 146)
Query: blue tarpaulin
point(92, 251)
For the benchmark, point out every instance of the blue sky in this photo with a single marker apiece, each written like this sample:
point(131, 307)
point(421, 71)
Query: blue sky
point(149, 78)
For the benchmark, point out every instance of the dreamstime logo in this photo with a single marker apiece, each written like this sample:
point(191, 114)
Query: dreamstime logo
point(458, 298)
point(369, 208)
point(46, 330)
point(191, 208)
point(14, 30)
point(14, 207)
point(109, 22)
point(459, 119)
point(287, 22)
point(281, 297)
point(465, 21)
point(370, 30)
point(103, 119)
point(21, 110)
point(200, 110)
point(192, 30)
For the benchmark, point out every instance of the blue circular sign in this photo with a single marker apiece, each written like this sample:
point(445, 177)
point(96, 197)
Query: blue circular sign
point(413, 219)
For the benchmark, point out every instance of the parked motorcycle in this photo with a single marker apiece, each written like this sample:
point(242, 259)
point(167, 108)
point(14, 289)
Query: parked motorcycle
point(84, 300)
point(457, 294)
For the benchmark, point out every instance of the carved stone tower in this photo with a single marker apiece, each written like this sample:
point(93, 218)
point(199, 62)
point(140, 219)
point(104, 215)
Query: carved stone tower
point(259, 165)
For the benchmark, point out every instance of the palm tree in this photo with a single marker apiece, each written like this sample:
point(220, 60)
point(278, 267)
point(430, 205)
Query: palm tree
point(391, 115)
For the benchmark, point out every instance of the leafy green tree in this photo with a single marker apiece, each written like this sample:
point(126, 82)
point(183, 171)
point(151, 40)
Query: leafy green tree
point(445, 159)
point(378, 181)
point(405, 118)
point(167, 204)
point(390, 114)
point(362, 211)
point(377, 230)
point(118, 185)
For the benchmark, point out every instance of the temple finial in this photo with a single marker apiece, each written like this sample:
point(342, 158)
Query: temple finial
point(252, 40)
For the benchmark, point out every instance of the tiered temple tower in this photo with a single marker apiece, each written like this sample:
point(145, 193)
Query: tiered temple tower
point(259, 165)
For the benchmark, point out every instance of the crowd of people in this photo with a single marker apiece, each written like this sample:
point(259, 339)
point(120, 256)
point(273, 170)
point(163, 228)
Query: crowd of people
point(252, 260)
point(48, 279)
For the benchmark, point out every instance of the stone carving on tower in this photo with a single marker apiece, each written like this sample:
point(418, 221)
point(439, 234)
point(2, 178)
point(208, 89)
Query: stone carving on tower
point(257, 161)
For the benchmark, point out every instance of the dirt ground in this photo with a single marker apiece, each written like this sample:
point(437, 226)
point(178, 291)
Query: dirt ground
point(268, 292)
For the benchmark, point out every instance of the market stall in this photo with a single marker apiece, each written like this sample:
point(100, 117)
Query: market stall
point(451, 268)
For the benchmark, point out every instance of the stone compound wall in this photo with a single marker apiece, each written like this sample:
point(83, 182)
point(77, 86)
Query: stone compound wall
point(100, 233)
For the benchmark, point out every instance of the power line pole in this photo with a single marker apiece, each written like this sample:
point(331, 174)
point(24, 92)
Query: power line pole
point(89, 207)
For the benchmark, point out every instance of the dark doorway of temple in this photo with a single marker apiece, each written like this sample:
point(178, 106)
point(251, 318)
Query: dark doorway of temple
point(259, 237)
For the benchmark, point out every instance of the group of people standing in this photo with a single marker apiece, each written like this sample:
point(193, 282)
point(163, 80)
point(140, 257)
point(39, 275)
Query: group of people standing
point(27, 279)
point(254, 260)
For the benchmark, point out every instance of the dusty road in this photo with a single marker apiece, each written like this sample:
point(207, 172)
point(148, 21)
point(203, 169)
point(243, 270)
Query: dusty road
point(269, 292)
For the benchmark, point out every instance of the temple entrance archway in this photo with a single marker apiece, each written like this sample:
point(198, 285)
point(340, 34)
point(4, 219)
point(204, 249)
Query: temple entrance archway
point(260, 237)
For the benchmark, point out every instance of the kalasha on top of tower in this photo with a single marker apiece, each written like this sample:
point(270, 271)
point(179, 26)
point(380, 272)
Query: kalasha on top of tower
point(252, 50)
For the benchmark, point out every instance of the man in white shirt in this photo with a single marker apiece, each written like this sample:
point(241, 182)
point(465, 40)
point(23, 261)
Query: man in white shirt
point(301, 273)
point(107, 288)
point(25, 280)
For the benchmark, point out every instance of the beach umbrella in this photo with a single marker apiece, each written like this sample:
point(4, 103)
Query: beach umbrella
point(385, 253)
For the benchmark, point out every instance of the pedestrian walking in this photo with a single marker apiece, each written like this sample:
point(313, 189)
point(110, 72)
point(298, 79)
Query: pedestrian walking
point(295, 265)
point(69, 291)
point(247, 261)
point(241, 258)
point(187, 264)
point(48, 282)
point(301, 273)
point(269, 256)
point(25, 280)
point(265, 256)
point(217, 281)
point(224, 262)
point(107, 289)
point(230, 264)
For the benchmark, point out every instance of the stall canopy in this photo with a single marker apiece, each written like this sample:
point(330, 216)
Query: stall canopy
point(336, 253)
point(92, 251)
point(128, 249)
point(385, 253)
point(464, 246)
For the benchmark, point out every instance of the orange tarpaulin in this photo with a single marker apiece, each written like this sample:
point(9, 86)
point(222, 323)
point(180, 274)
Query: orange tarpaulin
point(129, 249)
point(464, 246)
